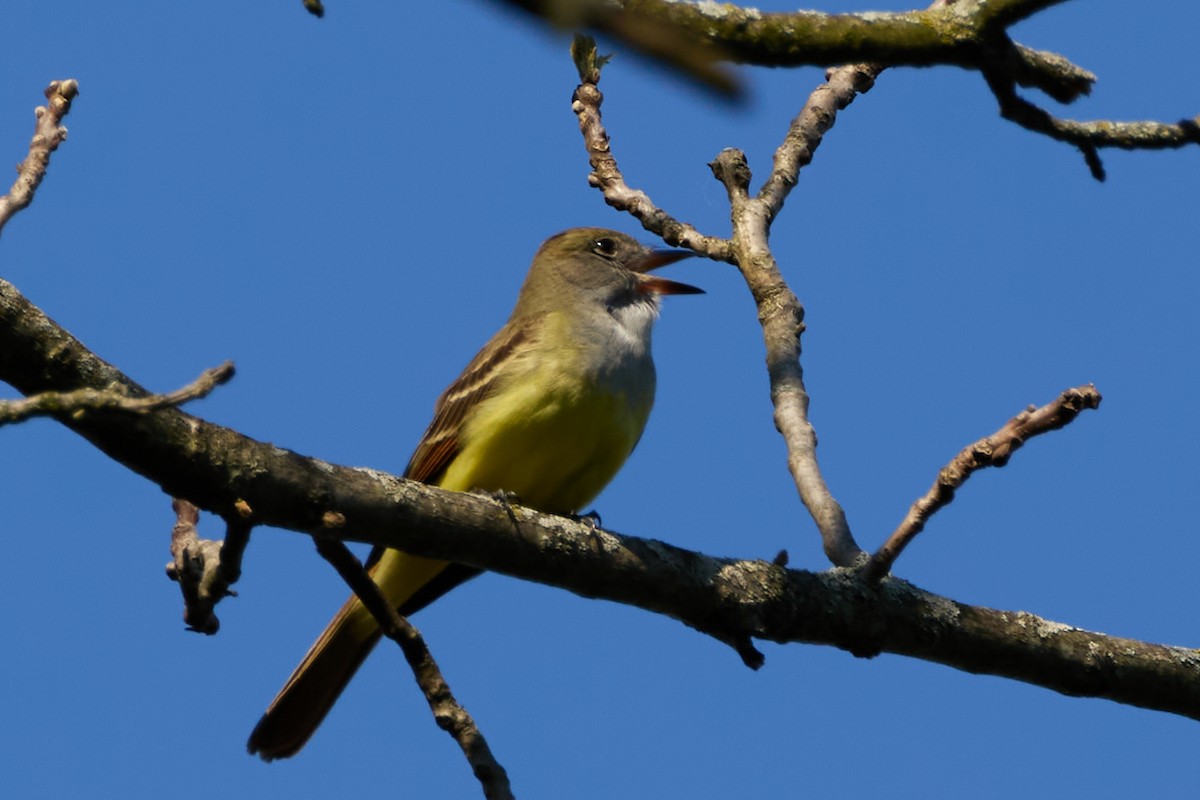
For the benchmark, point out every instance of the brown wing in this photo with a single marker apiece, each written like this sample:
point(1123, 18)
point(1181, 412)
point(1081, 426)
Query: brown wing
point(439, 445)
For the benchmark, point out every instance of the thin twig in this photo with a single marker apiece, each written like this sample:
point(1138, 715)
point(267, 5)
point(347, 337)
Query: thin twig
point(77, 403)
point(606, 176)
point(842, 85)
point(449, 714)
point(238, 526)
point(990, 451)
point(48, 134)
point(1089, 137)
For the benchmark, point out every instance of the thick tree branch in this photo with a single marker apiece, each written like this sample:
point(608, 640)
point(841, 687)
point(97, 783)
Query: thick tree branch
point(48, 134)
point(746, 35)
point(967, 33)
point(725, 598)
point(963, 33)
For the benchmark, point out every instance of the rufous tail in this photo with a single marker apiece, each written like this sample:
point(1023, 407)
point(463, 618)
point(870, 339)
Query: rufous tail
point(331, 662)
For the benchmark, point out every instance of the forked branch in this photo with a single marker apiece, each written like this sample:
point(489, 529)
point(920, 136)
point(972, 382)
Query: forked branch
point(779, 310)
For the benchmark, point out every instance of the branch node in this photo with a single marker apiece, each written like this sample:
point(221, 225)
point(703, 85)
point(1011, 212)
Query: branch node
point(731, 169)
point(746, 650)
point(1091, 157)
point(204, 568)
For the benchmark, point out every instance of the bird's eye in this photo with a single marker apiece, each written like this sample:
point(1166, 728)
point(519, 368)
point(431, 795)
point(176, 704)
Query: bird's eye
point(605, 246)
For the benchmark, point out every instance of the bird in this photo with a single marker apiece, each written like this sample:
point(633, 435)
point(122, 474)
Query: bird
point(547, 412)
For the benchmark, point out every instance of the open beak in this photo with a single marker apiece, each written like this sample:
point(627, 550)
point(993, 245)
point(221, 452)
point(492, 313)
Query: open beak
point(652, 284)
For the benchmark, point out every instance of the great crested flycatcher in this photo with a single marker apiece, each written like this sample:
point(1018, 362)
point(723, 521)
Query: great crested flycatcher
point(548, 410)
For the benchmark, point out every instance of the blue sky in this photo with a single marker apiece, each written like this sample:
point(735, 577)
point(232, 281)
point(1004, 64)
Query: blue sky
point(346, 208)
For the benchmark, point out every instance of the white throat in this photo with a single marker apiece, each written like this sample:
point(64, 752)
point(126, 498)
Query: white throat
point(634, 322)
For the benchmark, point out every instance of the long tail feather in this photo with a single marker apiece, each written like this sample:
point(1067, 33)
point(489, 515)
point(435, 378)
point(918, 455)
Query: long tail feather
point(331, 662)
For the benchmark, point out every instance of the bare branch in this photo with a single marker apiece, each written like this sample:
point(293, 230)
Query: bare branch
point(205, 568)
point(79, 402)
point(48, 134)
point(780, 312)
point(237, 536)
point(968, 33)
point(841, 86)
point(191, 567)
point(964, 33)
point(606, 176)
point(449, 714)
point(782, 319)
point(1090, 136)
point(990, 451)
point(647, 33)
point(1029, 68)
point(726, 598)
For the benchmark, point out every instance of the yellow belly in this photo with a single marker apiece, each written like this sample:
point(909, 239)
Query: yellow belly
point(554, 449)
